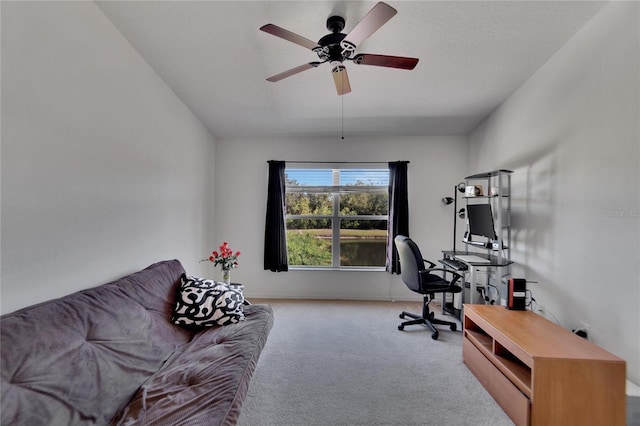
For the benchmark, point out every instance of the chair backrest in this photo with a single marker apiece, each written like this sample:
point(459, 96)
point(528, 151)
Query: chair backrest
point(410, 262)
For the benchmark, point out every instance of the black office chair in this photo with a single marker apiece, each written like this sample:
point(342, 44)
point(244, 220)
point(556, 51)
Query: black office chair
point(423, 281)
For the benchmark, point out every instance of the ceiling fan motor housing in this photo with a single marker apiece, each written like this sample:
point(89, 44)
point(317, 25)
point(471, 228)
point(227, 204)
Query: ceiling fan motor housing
point(330, 49)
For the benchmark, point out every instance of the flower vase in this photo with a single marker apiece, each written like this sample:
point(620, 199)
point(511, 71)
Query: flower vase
point(226, 276)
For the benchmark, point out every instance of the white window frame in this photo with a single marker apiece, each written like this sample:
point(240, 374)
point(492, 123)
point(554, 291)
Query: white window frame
point(336, 189)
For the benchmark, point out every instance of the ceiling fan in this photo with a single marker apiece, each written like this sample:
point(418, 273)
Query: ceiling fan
point(338, 47)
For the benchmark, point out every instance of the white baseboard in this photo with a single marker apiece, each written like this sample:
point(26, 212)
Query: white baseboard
point(416, 298)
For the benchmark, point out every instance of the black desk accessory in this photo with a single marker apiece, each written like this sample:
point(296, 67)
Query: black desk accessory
point(517, 294)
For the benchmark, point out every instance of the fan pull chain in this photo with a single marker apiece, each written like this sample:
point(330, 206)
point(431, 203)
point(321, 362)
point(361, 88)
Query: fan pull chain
point(342, 100)
point(342, 115)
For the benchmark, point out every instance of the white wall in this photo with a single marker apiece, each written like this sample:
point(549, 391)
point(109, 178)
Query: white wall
point(437, 163)
point(104, 170)
point(571, 133)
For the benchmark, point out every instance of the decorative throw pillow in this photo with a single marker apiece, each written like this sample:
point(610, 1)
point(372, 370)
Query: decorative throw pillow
point(203, 302)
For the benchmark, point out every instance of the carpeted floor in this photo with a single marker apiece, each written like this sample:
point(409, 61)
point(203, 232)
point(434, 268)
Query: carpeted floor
point(346, 363)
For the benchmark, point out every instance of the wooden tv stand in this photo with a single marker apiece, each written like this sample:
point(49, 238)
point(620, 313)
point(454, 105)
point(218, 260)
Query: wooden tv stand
point(540, 373)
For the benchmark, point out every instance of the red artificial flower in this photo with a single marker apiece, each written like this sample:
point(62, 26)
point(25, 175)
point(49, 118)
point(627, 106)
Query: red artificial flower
point(225, 257)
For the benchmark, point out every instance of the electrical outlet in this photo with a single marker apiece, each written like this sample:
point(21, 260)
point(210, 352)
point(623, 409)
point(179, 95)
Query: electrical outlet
point(587, 330)
point(582, 331)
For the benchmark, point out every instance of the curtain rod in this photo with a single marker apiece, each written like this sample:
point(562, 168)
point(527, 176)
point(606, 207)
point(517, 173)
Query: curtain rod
point(339, 162)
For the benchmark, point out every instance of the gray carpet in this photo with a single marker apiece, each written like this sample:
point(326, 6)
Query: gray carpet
point(346, 363)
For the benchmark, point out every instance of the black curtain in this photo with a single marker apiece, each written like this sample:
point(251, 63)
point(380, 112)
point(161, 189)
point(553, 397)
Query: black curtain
point(398, 211)
point(275, 237)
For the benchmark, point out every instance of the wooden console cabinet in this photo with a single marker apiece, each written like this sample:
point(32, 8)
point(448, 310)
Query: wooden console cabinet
point(539, 373)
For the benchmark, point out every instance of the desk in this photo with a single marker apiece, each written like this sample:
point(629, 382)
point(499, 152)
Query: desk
point(472, 266)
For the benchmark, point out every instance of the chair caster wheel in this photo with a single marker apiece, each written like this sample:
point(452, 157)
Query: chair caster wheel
point(453, 327)
point(401, 327)
point(434, 336)
point(401, 316)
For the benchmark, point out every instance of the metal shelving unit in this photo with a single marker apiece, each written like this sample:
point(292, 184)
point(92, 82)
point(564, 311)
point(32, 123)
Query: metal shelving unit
point(496, 191)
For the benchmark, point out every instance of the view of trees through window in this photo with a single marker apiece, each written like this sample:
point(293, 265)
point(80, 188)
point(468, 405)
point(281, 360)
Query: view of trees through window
point(337, 217)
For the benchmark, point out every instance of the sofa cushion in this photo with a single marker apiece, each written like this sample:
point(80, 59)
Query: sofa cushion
point(206, 382)
point(206, 303)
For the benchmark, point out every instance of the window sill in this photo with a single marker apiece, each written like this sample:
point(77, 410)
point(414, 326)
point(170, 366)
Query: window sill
point(344, 269)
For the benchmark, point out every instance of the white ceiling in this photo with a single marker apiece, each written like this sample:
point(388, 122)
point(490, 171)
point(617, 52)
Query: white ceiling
point(473, 55)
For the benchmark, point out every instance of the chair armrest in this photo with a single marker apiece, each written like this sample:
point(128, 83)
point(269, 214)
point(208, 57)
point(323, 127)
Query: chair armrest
point(431, 264)
point(456, 276)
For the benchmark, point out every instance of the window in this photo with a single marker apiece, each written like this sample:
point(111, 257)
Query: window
point(337, 217)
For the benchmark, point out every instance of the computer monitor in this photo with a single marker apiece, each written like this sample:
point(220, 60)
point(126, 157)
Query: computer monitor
point(481, 221)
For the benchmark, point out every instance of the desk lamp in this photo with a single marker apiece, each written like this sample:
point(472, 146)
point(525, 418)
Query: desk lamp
point(461, 187)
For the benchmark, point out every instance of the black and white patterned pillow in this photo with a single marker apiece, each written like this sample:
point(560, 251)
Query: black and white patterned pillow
point(203, 302)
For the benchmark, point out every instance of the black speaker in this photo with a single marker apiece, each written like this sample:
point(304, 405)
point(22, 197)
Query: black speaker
point(517, 294)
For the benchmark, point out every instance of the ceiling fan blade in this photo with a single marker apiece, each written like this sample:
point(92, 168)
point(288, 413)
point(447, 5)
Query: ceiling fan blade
point(341, 79)
point(377, 17)
point(293, 71)
point(289, 36)
point(401, 62)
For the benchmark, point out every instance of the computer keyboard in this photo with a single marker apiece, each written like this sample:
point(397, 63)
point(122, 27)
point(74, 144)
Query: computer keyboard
point(454, 264)
point(472, 258)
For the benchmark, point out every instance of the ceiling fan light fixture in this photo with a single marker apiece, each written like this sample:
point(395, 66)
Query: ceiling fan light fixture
point(341, 79)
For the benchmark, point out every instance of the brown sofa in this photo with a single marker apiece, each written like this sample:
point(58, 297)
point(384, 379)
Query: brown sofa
point(110, 355)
